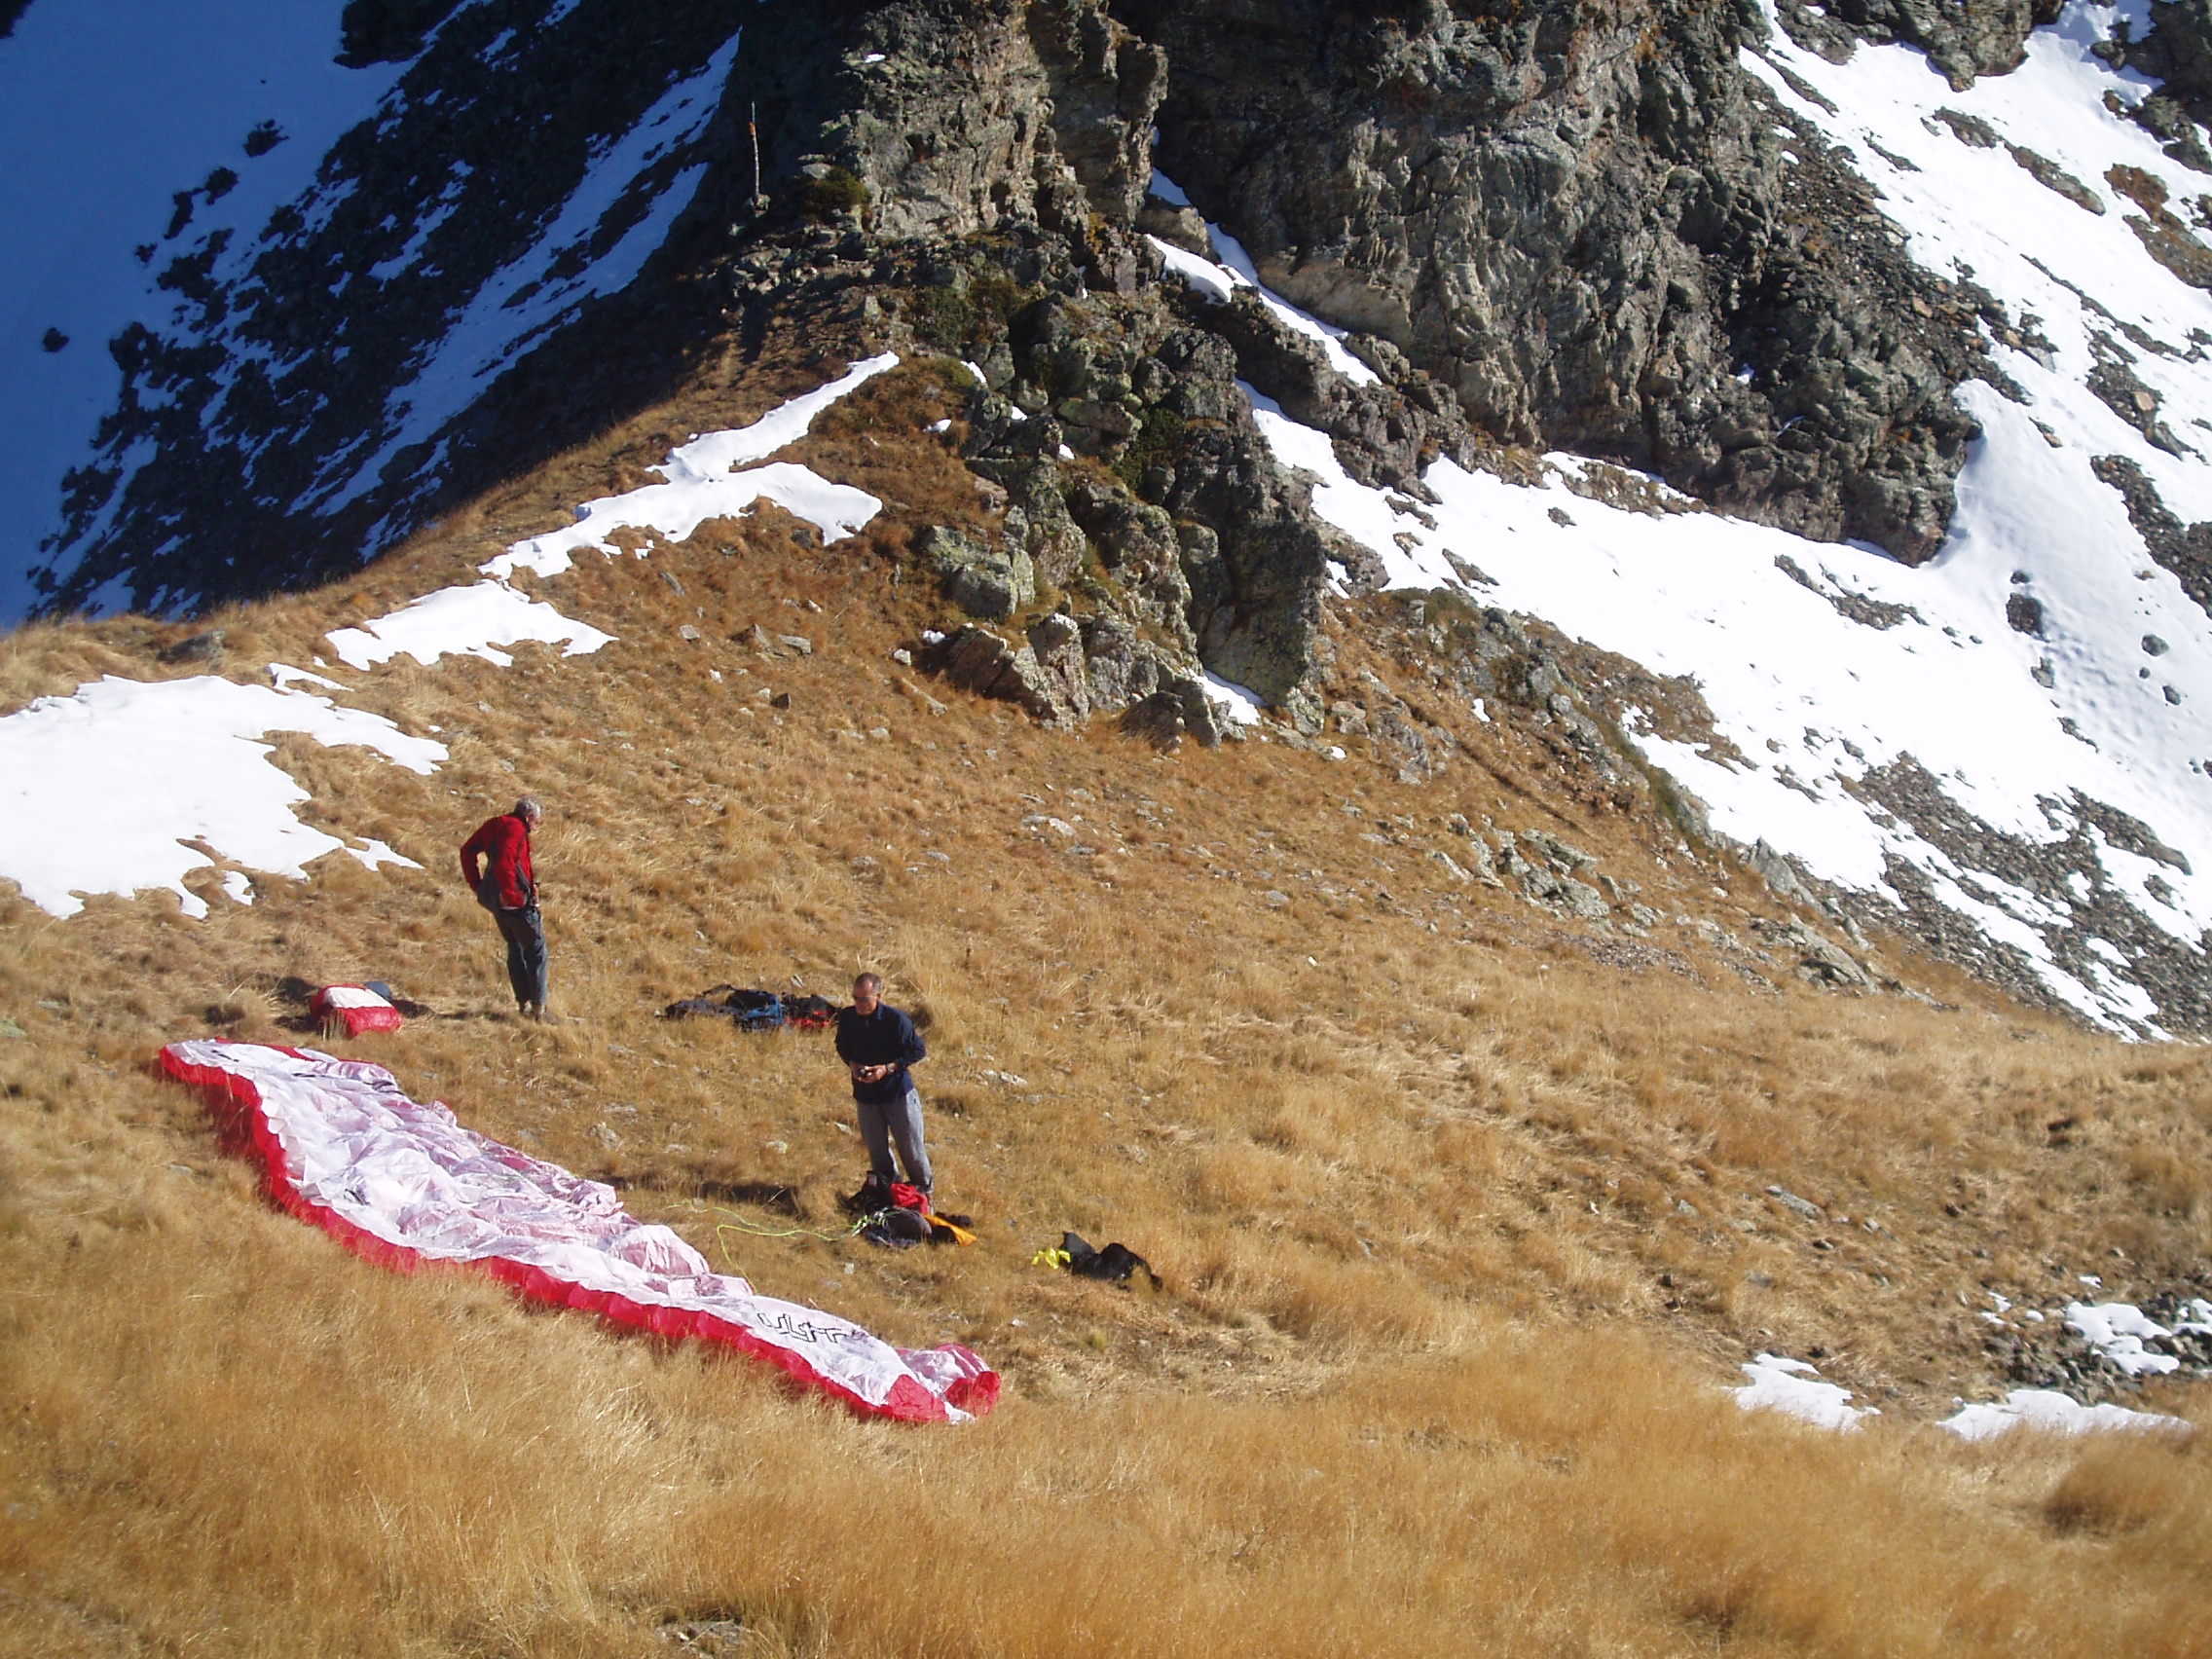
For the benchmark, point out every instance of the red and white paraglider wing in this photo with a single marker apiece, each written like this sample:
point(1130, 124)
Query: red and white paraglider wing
point(403, 1183)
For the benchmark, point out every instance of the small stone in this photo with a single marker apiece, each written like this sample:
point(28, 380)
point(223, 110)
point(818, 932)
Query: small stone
point(798, 643)
point(1789, 1201)
point(690, 634)
point(199, 648)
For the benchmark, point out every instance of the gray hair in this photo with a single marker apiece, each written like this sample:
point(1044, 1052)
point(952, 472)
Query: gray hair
point(527, 809)
point(873, 982)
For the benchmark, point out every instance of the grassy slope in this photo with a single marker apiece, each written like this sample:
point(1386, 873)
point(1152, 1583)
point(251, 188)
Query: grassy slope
point(1462, 1209)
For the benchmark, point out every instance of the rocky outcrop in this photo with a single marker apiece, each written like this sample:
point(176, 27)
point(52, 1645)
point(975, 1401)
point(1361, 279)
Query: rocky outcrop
point(965, 117)
point(1135, 492)
point(1963, 38)
point(1581, 223)
point(2185, 549)
point(983, 581)
point(2177, 51)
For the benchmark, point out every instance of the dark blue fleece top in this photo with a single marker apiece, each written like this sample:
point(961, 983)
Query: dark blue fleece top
point(886, 1037)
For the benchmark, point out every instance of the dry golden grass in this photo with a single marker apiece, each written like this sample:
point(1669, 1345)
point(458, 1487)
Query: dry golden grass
point(1459, 1225)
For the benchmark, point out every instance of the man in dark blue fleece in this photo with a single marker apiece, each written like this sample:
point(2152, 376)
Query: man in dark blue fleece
point(877, 1044)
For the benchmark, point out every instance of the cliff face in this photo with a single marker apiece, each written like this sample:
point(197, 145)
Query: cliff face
point(1581, 219)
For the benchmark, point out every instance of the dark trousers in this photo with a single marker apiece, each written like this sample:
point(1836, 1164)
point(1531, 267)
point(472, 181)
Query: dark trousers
point(523, 930)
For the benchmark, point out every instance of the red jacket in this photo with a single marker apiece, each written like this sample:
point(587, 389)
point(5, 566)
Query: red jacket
point(504, 843)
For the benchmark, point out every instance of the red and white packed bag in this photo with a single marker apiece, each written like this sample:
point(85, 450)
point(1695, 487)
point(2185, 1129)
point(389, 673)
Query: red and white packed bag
point(355, 1006)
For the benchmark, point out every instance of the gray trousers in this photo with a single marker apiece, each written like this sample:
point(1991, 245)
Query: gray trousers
point(900, 1120)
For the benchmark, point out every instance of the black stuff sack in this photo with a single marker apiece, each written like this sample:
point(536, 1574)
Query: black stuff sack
point(1114, 1264)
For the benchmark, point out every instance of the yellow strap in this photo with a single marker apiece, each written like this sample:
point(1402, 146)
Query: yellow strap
point(1052, 1258)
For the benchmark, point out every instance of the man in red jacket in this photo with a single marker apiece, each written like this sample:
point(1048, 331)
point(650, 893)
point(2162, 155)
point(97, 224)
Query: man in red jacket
point(506, 886)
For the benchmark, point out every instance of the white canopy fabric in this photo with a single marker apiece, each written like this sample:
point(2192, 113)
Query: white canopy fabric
point(402, 1184)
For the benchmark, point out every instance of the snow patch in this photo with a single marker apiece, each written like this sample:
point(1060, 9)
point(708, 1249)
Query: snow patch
point(1792, 1386)
point(463, 621)
point(104, 788)
point(1236, 704)
point(703, 483)
point(2116, 1330)
point(2053, 1413)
